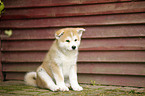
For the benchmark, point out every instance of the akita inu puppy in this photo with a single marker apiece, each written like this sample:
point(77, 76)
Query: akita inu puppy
point(59, 69)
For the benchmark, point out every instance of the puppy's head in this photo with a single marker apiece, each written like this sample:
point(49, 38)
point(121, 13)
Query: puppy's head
point(69, 38)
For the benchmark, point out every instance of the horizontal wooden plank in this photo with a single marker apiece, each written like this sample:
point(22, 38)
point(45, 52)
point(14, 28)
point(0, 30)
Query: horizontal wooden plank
point(89, 68)
point(113, 80)
point(113, 44)
point(41, 45)
point(137, 81)
point(94, 9)
point(137, 18)
point(15, 76)
point(39, 3)
point(91, 32)
point(23, 56)
point(20, 67)
point(112, 68)
point(86, 44)
point(92, 56)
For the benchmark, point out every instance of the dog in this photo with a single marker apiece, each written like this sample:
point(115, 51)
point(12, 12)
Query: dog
point(58, 72)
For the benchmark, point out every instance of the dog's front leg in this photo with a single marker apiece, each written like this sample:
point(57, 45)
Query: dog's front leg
point(59, 78)
point(73, 79)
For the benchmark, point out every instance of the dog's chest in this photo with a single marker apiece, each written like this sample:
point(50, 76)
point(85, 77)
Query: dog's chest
point(65, 62)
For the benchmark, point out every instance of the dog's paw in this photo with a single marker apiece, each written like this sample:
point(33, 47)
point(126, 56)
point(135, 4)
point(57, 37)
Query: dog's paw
point(54, 88)
point(67, 85)
point(63, 88)
point(77, 88)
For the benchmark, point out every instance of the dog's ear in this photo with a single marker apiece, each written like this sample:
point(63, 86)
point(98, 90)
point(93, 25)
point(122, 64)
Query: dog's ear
point(59, 33)
point(80, 31)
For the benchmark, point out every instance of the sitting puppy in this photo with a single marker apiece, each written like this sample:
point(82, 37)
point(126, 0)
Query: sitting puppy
point(59, 69)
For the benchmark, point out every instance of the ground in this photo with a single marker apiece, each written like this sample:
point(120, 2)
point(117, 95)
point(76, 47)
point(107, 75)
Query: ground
point(18, 88)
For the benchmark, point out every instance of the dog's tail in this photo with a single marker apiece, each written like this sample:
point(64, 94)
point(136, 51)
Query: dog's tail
point(30, 79)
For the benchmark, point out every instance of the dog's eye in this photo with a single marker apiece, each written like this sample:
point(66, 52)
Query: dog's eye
point(67, 41)
point(76, 40)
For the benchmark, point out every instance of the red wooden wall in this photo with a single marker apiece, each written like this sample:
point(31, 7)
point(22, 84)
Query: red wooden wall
point(112, 51)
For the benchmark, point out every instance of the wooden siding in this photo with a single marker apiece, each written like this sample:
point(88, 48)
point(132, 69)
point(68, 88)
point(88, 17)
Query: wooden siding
point(137, 18)
point(46, 3)
point(75, 10)
point(112, 51)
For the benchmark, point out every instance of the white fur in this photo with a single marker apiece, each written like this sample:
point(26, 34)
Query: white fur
point(67, 70)
point(50, 84)
point(29, 78)
point(68, 45)
point(58, 36)
point(65, 62)
point(60, 63)
point(73, 80)
point(80, 31)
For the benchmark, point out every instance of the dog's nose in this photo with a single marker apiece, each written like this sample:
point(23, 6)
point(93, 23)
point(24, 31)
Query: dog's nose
point(73, 47)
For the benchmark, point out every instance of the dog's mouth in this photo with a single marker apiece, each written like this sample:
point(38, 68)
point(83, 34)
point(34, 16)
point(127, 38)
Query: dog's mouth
point(72, 49)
